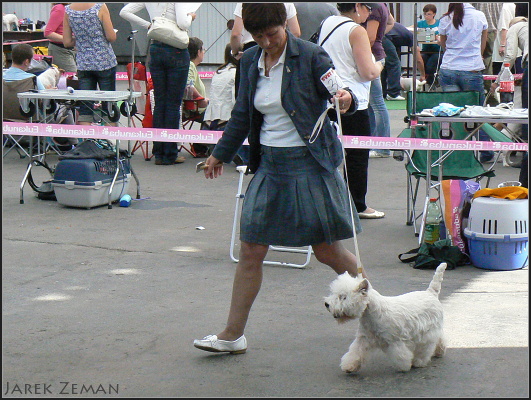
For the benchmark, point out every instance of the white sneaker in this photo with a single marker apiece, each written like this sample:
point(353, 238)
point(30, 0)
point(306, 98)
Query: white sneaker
point(389, 98)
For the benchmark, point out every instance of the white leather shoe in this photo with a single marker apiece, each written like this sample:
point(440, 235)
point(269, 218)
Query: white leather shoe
point(212, 343)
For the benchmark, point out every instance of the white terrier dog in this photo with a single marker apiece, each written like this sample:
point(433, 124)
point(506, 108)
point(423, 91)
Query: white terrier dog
point(407, 84)
point(408, 328)
point(50, 77)
point(8, 20)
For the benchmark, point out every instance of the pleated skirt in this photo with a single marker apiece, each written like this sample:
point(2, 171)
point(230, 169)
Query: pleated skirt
point(293, 201)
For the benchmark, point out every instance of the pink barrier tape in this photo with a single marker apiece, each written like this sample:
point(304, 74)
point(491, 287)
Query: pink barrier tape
point(122, 76)
point(212, 137)
point(493, 77)
point(26, 41)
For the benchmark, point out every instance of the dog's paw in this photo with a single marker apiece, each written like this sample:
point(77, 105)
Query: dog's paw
point(349, 365)
point(420, 363)
point(349, 368)
point(440, 349)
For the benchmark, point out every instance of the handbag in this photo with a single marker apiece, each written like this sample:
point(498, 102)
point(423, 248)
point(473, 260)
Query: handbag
point(429, 256)
point(167, 31)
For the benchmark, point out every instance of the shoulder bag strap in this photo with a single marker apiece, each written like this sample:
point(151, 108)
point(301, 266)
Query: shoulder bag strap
point(332, 31)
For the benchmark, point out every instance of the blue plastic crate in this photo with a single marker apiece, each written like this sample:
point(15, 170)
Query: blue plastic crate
point(498, 252)
point(85, 183)
point(87, 171)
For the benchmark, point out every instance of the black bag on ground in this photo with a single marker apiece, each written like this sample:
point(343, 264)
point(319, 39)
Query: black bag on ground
point(45, 191)
point(100, 149)
point(429, 256)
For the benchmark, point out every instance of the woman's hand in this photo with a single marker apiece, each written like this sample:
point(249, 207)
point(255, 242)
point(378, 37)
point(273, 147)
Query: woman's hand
point(193, 15)
point(345, 99)
point(203, 103)
point(501, 50)
point(213, 168)
point(238, 56)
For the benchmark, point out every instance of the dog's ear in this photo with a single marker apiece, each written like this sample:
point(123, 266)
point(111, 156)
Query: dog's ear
point(363, 287)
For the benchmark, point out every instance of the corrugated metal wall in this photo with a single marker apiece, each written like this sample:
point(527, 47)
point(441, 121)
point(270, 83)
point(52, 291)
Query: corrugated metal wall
point(210, 25)
point(34, 11)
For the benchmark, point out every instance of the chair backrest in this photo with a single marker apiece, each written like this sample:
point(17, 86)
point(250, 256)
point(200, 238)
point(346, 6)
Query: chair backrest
point(11, 104)
point(432, 99)
point(461, 164)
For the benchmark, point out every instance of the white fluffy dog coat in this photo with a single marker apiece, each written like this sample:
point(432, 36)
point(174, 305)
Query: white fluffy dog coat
point(407, 84)
point(50, 77)
point(8, 21)
point(408, 328)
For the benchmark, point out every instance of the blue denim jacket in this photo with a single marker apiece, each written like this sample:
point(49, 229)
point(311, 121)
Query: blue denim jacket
point(303, 96)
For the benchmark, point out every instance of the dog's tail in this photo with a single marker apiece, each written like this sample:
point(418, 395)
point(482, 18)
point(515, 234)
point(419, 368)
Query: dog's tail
point(435, 284)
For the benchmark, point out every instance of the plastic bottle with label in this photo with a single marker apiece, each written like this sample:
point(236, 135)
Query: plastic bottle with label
point(189, 91)
point(433, 220)
point(506, 84)
point(428, 34)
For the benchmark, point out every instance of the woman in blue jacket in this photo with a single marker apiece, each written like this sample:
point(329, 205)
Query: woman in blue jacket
point(297, 196)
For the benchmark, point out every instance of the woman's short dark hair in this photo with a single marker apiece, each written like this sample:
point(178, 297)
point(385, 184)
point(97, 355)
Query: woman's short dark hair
point(430, 7)
point(257, 17)
point(345, 7)
point(521, 10)
point(21, 53)
point(194, 45)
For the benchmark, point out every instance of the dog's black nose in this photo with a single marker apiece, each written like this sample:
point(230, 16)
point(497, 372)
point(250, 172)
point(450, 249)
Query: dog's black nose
point(327, 305)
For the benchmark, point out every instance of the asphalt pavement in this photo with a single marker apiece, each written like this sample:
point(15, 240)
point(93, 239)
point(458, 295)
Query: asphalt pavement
point(106, 302)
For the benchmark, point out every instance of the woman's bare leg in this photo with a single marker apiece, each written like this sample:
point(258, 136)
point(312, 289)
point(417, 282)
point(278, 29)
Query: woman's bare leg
point(337, 257)
point(247, 283)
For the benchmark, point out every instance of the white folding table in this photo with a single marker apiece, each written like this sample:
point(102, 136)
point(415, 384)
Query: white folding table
point(77, 96)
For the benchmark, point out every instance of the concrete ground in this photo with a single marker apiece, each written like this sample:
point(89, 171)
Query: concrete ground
point(106, 302)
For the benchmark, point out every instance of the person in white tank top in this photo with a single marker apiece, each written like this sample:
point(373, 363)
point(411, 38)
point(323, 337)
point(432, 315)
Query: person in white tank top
point(350, 50)
point(343, 53)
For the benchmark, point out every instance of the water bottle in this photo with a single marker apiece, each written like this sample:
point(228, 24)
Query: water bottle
point(433, 220)
point(506, 84)
point(189, 91)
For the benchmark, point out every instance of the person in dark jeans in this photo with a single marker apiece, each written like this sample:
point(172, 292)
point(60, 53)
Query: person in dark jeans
point(88, 27)
point(391, 72)
point(393, 40)
point(169, 71)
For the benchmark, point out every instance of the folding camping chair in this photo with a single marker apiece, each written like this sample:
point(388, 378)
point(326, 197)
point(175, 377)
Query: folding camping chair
point(139, 82)
point(190, 115)
point(237, 210)
point(13, 112)
point(463, 164)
